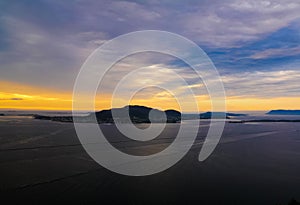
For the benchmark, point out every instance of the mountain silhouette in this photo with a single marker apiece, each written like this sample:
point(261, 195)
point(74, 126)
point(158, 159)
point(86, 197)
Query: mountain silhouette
point(284, 112)
point(133, 113)
point(137, 114)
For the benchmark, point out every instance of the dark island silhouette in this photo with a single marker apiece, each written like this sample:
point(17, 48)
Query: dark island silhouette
point(274, 112)
point(140, 114)
point(219, 115)
point(137, 114)
point(284, 112)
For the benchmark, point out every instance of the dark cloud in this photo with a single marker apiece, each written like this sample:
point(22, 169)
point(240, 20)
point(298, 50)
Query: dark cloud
point(11, 99)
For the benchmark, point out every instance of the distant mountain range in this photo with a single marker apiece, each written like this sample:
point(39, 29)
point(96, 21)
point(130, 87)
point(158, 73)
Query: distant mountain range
point(274, 112)
point(284, 112)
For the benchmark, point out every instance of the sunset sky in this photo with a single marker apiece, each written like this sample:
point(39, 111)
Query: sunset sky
point(254, 44)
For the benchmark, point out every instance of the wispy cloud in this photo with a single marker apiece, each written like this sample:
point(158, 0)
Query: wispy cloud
point(263, 84)
point(6, 99)
point(276, 52)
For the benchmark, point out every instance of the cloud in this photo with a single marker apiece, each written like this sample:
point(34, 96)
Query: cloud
point(230, 23)
point(41, 58)
point(263, 84)
point(11, 99)
point(215, 23)
point(276, 52)
point(45, 44)
point(16, 98)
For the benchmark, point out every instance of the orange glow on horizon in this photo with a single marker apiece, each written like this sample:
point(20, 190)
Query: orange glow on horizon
point(26, 97)
point(20, 96)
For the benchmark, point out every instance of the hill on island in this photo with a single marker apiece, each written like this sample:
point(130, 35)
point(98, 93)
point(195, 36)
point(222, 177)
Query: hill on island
point(284, 112)
point(137, 114)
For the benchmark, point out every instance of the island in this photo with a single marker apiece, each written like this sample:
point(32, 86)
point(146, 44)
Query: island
point(137, 114)
point(284, 112)
point(273, 112)
point(58, 118)
point(262, 120)
point(219, 115)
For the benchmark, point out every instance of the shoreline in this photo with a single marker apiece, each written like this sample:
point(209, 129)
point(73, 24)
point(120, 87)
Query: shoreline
point(263, 120)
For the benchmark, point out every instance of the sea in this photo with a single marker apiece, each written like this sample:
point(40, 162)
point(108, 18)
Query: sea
point(43, 162)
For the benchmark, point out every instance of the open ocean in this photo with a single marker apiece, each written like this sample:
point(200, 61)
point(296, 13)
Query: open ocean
point(43, 162)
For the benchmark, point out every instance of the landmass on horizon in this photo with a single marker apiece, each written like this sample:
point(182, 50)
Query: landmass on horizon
point(140, 114)
point(137, 114)
point(284, 112)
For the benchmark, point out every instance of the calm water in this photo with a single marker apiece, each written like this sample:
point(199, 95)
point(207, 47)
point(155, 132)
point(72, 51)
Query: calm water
point(255, 163)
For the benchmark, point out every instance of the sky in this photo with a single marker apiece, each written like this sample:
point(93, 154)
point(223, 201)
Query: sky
point(254, 44)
